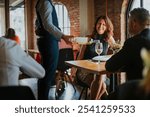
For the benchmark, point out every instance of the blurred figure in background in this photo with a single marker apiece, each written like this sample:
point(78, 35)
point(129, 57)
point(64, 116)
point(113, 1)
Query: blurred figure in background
point(13, 60)
point(11, 34)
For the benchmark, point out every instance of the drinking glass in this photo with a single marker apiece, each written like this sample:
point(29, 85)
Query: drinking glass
point(98, 48)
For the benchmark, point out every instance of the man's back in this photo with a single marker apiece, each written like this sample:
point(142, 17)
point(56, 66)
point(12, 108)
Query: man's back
point(129, 59)
point(8, 66)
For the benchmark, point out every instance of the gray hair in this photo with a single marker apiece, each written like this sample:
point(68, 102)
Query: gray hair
point(141, 15)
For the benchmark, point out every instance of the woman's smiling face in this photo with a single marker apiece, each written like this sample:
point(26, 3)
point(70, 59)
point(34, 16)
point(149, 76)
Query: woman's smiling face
point(101, 26)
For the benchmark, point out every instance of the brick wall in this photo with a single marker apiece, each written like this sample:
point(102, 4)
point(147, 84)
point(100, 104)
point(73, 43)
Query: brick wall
point(113, 12)
point(73, 9)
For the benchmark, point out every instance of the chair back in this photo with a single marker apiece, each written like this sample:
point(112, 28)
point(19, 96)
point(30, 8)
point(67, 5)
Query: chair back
point(130, 90)
point(65, 54)
point(16, 93)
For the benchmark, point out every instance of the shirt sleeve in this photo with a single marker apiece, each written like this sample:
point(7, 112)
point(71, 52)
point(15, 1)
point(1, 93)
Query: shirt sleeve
point(45, 10)
point(28, 65)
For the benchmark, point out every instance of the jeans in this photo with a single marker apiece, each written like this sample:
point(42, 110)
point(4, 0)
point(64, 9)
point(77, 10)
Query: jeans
point(49, 51)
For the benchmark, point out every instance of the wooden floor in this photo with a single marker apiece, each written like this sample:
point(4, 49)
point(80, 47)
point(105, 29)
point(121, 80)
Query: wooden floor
point(68, 94)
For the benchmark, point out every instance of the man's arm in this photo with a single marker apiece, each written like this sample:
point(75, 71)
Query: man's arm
point(28, 65)
point(120, 59)
point(45, 11)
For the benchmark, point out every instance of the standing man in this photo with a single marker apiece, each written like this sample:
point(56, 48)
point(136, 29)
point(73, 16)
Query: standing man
point(49, 34)
point(128, 58)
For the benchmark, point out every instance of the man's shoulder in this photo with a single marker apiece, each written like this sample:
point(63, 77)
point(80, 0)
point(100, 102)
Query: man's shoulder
point(133, 39)
point(43, 3)
point(129, 41)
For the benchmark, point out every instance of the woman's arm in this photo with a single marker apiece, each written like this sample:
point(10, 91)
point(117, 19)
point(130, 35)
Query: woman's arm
point(111, 41)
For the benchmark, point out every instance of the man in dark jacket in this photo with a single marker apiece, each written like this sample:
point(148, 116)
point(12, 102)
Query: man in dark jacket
point(128, 58)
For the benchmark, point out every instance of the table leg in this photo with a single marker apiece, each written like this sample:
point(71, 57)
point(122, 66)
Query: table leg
point(113, 82)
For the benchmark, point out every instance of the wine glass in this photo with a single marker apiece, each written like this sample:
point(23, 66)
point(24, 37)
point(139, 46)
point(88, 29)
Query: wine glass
point(98, 48)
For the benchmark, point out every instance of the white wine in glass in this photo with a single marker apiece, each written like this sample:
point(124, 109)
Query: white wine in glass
point(98, 48)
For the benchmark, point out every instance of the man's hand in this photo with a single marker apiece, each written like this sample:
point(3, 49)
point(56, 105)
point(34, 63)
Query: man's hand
point(68, 38)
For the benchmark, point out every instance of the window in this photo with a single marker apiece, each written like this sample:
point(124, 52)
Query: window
point(146, 4)
point(2, 18)
point(17, 19)
point(135, 4)
point(63, 19)
point(141, 3)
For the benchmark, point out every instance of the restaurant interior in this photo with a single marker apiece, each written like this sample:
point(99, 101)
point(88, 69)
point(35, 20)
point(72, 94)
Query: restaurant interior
point(77, 18)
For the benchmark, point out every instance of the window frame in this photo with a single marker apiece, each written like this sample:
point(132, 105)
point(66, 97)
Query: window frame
point(130, 4)
point(64, 29)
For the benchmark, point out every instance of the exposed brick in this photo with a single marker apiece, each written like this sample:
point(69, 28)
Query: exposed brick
point(113, 11)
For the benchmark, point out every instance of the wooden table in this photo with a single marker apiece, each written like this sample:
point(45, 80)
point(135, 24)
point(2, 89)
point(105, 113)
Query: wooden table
point(92, 67)
point(88, 65)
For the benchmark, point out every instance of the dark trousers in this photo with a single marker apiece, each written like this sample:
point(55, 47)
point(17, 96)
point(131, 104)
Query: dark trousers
point(49, 53)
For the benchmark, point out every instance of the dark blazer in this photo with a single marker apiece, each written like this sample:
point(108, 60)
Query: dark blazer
point(128, 58)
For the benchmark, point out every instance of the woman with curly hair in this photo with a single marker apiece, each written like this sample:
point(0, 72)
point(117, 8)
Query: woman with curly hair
point(103, 31)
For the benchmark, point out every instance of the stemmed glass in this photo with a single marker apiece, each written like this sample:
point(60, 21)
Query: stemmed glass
point(98, 48)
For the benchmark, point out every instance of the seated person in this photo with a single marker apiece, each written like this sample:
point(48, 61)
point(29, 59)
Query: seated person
point(13, 60)
point(103, 31)
point(135, 89)
point(128, 59)
point(11, 34)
